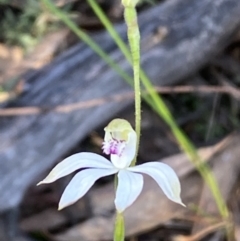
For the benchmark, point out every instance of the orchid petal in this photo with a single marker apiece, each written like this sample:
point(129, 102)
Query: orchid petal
point(128, 154)
point(75, 162)
point(165, 177)
point(80, 184)
point(129, 187)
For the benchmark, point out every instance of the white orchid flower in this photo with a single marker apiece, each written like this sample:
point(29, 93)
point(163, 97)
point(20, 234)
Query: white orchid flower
point(120, 143)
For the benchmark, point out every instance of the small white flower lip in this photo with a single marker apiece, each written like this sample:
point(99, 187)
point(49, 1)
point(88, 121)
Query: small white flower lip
point(75, 162)
point(129, 187)
point(80, 184)
point(128, 154)
point(165, 177)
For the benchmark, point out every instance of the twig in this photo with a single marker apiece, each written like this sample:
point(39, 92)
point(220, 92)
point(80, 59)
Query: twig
point(201, 234)
point(15, 111)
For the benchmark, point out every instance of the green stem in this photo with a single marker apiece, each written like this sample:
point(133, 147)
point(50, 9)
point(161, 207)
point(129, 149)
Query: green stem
point(130, 15)
point(115, 182)
point(119, 230)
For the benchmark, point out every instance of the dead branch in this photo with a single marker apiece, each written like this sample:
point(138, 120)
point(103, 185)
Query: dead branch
point(234, 92)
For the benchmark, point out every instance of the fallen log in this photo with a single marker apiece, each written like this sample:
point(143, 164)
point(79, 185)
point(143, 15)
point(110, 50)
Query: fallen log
point(194, 32)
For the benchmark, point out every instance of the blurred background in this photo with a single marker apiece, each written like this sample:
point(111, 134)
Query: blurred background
point(58, 92)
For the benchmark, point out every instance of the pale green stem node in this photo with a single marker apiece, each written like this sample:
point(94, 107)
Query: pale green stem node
point(130, 3)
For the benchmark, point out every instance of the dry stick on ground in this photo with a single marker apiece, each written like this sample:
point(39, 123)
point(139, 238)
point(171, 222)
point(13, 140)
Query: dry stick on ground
point(29, 145)
point(118, 98)
point(201, 234)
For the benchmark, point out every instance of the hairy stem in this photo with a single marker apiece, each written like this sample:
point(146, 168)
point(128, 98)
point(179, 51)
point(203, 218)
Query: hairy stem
point(130, 16)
